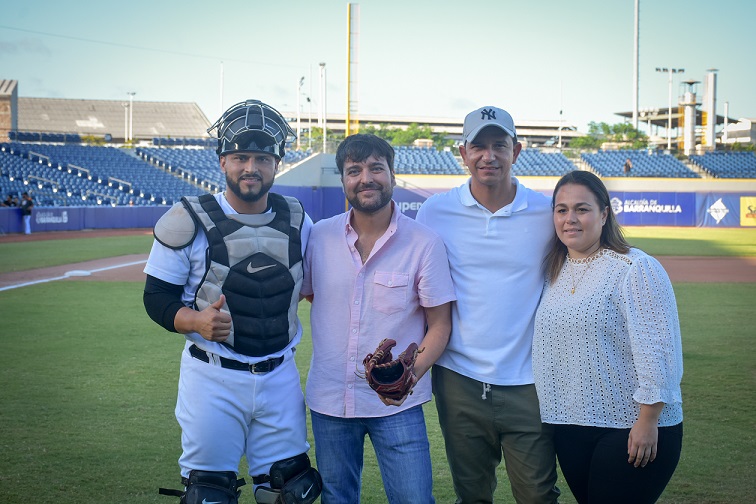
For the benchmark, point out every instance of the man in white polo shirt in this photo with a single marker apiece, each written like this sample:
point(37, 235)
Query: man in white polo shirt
point(496, 233)
point(372, 273)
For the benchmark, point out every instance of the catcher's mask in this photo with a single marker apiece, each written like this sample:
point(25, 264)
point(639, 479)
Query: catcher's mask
point(252, 126)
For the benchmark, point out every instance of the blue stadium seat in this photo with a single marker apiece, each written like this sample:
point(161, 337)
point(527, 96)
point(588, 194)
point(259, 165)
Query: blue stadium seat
point(727, 164)
point(645, 164)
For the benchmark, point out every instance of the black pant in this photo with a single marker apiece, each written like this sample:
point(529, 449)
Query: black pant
point(594, 463)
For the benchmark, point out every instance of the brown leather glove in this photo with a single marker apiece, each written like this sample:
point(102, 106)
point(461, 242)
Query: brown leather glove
point(389, 377)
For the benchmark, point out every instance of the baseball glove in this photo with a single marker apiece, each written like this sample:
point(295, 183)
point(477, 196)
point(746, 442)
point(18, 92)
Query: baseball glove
point(389, 377)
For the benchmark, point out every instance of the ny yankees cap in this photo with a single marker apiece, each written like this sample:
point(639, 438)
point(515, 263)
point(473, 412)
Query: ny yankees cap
point(487, 116)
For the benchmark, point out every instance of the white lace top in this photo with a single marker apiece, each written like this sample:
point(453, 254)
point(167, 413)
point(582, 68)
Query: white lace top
point(613, 344)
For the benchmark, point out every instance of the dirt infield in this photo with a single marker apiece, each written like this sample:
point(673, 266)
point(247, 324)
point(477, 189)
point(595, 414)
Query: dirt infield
point(70, 235)
point(129, 268)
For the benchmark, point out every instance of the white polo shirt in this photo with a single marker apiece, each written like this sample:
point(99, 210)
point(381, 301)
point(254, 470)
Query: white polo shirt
point(496, 262)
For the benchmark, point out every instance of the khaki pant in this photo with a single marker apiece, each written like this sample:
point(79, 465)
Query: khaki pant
point(479, 422)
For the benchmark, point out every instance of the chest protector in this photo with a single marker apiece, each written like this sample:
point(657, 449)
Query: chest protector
point(256, 261)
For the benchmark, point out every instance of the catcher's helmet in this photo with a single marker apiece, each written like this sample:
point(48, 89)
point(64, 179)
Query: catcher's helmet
point(252, 126)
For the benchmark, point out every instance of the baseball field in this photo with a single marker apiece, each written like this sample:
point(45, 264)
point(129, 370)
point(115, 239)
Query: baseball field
point(89, 381)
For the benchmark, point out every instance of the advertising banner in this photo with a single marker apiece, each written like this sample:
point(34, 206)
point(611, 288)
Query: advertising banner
point(748, 211)
point(654, 208)
point(726, 210)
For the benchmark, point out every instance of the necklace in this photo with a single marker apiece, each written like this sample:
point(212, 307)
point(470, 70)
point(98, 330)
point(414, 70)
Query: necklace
point(572, 277)
point(588, 261)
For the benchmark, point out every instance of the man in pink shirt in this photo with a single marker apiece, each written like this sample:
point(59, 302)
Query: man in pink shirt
point(372, 273)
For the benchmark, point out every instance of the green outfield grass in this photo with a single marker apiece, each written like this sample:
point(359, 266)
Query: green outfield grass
point(737, 242)
point(89, 387)
point(42, 254)
point(89, 383)
point(693, 241)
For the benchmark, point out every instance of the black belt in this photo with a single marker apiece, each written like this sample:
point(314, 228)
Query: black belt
point(258, 368)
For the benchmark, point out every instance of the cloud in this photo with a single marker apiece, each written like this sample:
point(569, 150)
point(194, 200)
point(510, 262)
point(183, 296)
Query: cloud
point(25, 46)
point(462, 104)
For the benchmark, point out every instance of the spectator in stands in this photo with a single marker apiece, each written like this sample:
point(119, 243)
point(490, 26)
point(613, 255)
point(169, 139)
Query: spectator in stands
point(10, 201)
point(497, 233)
point(627, 167)
point(607, 354)
point(373, 273)
point(26, 204)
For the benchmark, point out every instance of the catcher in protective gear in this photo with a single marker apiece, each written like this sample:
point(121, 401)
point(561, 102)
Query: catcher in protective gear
point(391, 378)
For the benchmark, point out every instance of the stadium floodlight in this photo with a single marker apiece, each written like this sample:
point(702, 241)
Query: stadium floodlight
point(299, 112)
point(323, 104)
point(125, 121)
point(670, 71)
point(131, 114)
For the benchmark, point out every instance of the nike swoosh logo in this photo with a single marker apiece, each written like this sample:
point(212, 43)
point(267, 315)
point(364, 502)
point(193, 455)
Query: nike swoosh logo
point(204, 501)
point(253, 270)
point(308, 491)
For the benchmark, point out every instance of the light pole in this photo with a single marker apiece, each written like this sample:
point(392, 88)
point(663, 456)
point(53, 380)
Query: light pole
point(131, 115)
point(323, 103)
point(561, 109)
point(125, 121)
point(669, 102)
point(309, 121)
point(299, 113)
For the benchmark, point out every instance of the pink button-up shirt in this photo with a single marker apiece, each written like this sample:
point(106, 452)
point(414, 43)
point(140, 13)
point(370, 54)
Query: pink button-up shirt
point(357, 305)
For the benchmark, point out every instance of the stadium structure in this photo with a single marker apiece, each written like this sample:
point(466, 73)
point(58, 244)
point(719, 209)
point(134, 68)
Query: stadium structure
point(150, 154)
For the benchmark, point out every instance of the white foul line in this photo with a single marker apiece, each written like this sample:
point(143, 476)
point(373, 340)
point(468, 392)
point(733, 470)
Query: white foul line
point(70, 274)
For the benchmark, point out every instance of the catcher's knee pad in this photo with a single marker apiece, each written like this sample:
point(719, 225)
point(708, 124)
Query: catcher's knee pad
point(292, 481)
point(203, 487)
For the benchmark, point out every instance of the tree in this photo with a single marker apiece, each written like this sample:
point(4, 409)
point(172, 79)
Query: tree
point(382, 131)
point(740, 147)
point(93, 140)
point(598, 133)
point(399, 136)
point(412, 133)
point(317, 139)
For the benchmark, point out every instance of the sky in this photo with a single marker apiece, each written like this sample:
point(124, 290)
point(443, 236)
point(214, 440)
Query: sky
point(416, 58)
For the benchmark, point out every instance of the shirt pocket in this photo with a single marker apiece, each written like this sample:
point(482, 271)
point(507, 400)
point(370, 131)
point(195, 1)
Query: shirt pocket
point(390, 291)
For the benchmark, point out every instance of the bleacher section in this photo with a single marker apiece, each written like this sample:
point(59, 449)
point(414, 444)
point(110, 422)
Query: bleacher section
point(61, 174)
point(645, 164)
point(429, 161)
point(534, 163)
point(727, 164)
point(425, 161)
point(85, 176)
point(193, 164)
point(291, 156)
point(28, 136)
point(199, 165)
point(185, 142)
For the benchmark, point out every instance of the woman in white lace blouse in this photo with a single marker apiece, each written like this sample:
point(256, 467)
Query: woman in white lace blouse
point(607, 355)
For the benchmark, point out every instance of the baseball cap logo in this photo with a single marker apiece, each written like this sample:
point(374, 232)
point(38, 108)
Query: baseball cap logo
point(488, 114)
point(484, 117)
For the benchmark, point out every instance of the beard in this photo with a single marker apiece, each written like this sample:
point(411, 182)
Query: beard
point(249, 196)
point(373, 205)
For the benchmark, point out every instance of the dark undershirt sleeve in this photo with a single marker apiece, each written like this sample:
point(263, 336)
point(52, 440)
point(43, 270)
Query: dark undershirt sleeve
point(162, 300)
